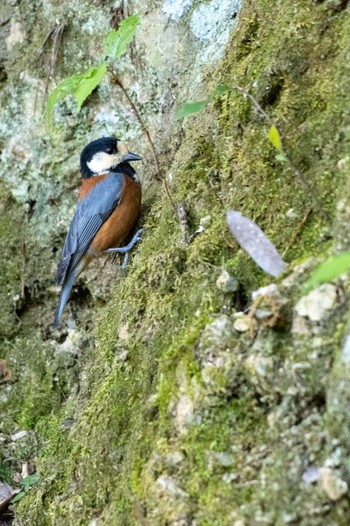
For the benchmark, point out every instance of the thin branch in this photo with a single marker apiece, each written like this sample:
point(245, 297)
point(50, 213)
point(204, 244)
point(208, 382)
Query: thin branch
point(255, 103)
point(296, 232)
point(297, 174)
point(306, 186)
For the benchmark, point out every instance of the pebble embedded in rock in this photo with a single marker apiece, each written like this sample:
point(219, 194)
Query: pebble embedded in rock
point(19, 435)
point(170, 485)
point(71, 345)
point(260, 365)
point(224, 459)
point(123, 333)
point(229, 477)
point(174, 458)
point(289, 518)
point(123, 356)
point(332, 485)
point(317, 304)
point(311, 475)
point(184, 414)
point(242, 324)
point(263, 314)
point(226, 282)
point(269, 290)
point(217, 335)
point(345, 355)
point(205, 221)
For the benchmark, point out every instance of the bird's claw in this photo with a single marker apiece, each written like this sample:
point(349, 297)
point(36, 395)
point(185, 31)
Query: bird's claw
point(125, 250)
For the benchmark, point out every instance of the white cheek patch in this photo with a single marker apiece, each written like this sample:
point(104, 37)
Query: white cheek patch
point(102, 161)
point(99, 162)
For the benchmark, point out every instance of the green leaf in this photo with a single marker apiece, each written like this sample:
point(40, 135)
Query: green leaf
point(80, 85)
point(331, 269)
point(30, 481)
point(275, 138)
point(190, 107)
point(18, 497)
point(89, 81)
point(27, 482)
point(221, 89)
point(63, 89)
point(117, 42)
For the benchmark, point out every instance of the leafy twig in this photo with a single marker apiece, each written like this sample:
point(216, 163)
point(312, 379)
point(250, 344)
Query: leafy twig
point(274, 135)
point(82, 84)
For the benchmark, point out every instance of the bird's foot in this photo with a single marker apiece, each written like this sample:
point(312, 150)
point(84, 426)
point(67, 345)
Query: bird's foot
point(125, 250)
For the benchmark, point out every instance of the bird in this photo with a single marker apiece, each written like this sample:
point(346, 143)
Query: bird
point(108, 207)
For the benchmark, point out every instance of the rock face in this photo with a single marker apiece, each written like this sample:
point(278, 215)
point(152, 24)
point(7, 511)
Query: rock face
point(169, 396)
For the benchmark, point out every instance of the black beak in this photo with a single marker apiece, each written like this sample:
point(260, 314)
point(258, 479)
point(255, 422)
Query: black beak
point(131, 157)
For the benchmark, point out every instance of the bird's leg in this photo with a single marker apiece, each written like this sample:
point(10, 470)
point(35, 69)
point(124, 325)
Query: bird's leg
point(125, 250)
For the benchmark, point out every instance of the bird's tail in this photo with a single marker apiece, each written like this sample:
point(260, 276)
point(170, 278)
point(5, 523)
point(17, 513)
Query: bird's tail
point(65, 292)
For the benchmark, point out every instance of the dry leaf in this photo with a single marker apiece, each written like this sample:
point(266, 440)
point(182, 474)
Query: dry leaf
point(253, 240)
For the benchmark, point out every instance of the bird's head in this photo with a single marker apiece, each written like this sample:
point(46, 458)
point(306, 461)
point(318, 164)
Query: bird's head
point(103, 155)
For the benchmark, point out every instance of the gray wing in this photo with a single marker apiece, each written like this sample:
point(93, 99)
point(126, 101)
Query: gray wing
point(89, 216)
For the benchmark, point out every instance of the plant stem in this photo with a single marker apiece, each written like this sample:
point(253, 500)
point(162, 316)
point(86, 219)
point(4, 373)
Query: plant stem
point(118, 82)
point(297, 231)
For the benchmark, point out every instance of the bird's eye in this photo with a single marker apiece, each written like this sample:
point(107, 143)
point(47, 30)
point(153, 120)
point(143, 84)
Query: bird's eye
point(110, 151)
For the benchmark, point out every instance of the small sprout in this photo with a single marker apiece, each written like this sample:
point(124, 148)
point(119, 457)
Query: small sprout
point(26, 484)
point(30, 481)
point(190, 108)
point(117, 42)
point(275, 139)
point(221, 89)
point(251, 238)
point(83, 84)
point(80, 86)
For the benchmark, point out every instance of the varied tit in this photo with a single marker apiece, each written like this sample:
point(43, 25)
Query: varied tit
point(108, 208)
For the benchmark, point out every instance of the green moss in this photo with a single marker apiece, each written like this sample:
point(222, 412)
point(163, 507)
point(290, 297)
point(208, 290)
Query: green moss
point(112, 463)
